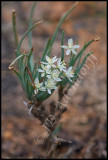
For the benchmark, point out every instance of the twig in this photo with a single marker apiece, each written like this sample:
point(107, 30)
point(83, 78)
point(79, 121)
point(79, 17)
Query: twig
point(55, 142)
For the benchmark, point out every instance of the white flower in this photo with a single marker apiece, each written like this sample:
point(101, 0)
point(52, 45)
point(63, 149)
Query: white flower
point(54, 75)
point(70, 47)
point(61, 65)
point(50, 84)
point(45, 69)
point(69, 73)
point(39, 86)
point(50, 61)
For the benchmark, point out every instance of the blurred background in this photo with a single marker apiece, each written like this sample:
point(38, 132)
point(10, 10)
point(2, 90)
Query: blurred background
point(85, 120)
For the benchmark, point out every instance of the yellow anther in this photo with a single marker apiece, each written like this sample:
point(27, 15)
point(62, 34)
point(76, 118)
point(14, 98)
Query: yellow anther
point(70, 46)
point(72, 72)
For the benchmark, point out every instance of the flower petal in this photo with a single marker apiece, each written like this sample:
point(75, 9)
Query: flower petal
point(48, 76)
point(35, 92)
point(55, 57)
point(71, 75)
point(44, 63)
point(68, 52)
point(65, 47)
point(59, 61)
point(41, 84)
point(48, 59)
point(53, 66)
point(49, 91)
point(40, 70)
point(42, 66)
point(64, 70)
point(42, 89)
point(74, 52)
point(54, 87)
point(36, 80)
point(54, 60)
point(42, 75)
point(70, 68)
point(58, 79)
point(70, 42)
point(76, 46)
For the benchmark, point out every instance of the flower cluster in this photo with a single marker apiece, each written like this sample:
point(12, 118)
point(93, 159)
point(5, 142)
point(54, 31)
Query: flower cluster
point(54, 73)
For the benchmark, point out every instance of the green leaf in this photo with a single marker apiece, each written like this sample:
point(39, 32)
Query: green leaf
point(20, 43)
point(22, 55)
point(23, 64)
point(40, 95)
point(26, 83)
point(44, 95)
point(78, 70)
point(14, 27)
point(34, 74)
point(30, 89)
point(25, 80)
point(49, 51)
point(62, 49)
point(29, 62)
point(30, 35)
point(30, 25)
point(85, 46)
point(79, 55)
point(83, 62)
point(25, 34)
point(17, 74)
point(35, 66)
point(46, 49)
point(20, 78)
point(64, 82)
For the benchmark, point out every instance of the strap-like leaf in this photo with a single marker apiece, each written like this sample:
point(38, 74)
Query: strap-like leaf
point(29, 62)
point(18, 53)
point(30, 25)
point(83, 62)
point(46, 49)
point(17, 73)
point(79, 55)
point(25, 34)
point(30, 34)
point(22, 55)
point(62, 50)
point(14, 27)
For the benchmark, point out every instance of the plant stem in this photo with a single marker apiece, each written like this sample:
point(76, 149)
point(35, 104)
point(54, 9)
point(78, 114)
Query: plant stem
point(31, 78)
